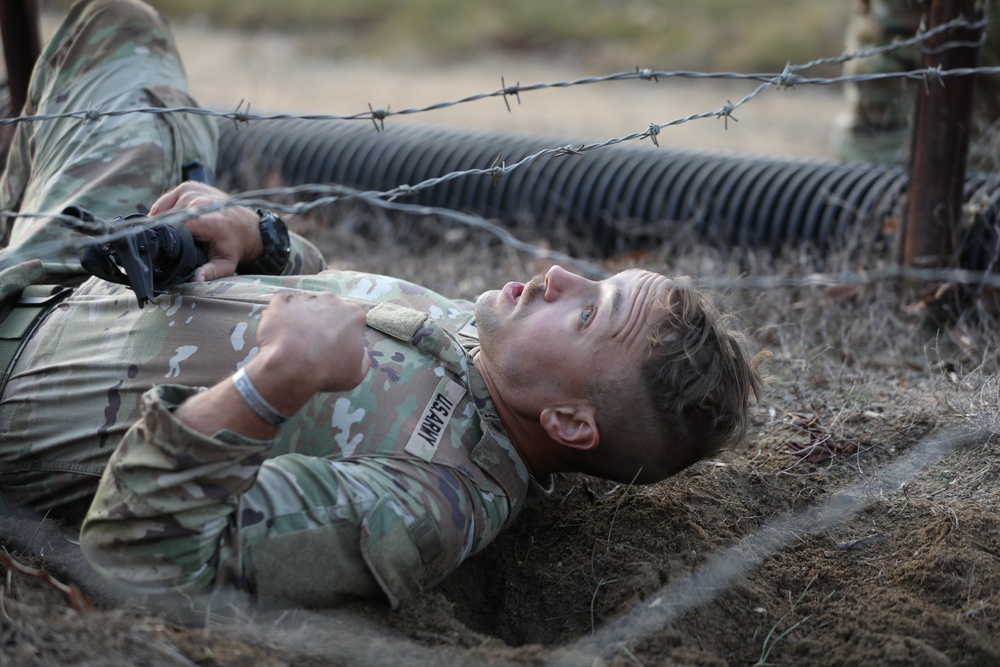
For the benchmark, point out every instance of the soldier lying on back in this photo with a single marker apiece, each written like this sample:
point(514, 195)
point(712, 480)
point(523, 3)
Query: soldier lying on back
point(359, 435)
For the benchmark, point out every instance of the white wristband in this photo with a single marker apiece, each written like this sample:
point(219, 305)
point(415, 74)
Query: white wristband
point(256, 402)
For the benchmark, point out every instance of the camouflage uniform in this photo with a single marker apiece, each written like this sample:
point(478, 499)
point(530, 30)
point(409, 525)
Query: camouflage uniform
point(879, 119)
point(386, 488)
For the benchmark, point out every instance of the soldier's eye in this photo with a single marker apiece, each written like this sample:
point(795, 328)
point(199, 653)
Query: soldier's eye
point(586, 315)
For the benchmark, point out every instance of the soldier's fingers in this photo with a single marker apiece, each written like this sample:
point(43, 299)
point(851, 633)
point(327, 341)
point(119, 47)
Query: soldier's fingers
point(204, 227)
point(214, 270)
point(348, 375)
point(166, 202)
point(186, 195)
point(362, 371)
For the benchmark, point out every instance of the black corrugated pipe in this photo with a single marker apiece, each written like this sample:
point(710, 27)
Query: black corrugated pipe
point(622, 197)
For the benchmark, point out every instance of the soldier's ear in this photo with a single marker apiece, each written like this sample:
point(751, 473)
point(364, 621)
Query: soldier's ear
point(572, 425)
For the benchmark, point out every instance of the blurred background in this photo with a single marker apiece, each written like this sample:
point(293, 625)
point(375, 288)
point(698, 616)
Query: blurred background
point(600, 34)
point(338, 56)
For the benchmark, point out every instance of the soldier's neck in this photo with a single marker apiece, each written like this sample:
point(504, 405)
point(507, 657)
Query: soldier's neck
point(525, 431)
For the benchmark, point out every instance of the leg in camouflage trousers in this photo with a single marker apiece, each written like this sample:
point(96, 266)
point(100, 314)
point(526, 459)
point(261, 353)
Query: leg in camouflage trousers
point(114, 165)
point(111, 166)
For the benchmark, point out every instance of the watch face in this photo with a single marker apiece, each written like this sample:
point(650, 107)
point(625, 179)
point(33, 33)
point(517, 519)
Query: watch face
point(283, 237)
point(273, 230)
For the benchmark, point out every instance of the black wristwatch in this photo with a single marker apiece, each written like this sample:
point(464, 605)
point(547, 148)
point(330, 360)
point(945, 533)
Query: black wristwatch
point(277, 247)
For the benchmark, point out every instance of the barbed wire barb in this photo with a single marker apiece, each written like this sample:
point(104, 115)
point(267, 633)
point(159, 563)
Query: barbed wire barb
point(402, 191)
point(933, 74)
point(652, 132)
point(569, 150)
point(497, 169)
point(378, 117)
point(647, 74)
point(514, 90)
point(725, 113)
point(788, 78)
point(239, 116)
point(93, 113)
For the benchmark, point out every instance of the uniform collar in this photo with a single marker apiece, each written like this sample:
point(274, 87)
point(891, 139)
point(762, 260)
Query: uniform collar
point(503, 462)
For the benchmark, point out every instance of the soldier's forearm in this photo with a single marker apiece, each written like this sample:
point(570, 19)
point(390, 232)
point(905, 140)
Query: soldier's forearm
point(223, 408)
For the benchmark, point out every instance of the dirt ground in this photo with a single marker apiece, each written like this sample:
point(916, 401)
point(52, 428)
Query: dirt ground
point(839, 533)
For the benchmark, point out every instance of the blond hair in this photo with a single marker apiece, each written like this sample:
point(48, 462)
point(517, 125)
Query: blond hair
point(697, 382)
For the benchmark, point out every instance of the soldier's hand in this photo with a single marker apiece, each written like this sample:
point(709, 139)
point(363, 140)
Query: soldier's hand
point(313, 342)
point(230, 235)
point(306, 343)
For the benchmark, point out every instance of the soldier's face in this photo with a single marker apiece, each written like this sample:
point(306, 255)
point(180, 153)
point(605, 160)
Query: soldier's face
point(560, 331)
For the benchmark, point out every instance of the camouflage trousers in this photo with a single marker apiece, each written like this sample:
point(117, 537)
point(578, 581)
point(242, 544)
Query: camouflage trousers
point(878, 122)
point(107, 56)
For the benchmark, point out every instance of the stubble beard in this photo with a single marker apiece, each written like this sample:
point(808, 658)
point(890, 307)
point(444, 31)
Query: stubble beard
point(489, 317)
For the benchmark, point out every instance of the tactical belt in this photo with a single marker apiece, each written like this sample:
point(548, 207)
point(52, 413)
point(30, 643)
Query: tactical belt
point(28, 312)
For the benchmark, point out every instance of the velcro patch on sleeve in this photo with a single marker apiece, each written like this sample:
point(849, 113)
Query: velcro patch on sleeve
point(433, 420)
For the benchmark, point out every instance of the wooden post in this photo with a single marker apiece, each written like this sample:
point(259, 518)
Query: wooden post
point(21, 46)
point(940, 144)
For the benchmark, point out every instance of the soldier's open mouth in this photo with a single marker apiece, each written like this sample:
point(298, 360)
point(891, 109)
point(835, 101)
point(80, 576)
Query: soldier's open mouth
point(512, 292)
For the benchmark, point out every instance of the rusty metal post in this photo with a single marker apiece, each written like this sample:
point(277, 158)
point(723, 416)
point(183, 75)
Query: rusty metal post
point(21, 46)
point(940, 145)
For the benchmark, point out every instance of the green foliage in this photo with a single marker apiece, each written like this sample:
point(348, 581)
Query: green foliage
point(610, 34)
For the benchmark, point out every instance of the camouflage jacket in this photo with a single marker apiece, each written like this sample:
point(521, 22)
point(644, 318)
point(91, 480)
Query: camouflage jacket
point(387, 487)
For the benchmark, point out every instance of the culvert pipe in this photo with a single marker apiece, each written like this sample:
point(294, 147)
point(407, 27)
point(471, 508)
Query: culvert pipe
point(620, 198)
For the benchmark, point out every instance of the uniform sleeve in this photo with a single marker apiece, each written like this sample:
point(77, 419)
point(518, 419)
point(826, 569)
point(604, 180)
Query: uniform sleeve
point(161, 519)
point(177, 511)
point(305, 258)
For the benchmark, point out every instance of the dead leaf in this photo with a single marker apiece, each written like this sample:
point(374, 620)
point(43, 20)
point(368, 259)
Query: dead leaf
point(80, 602)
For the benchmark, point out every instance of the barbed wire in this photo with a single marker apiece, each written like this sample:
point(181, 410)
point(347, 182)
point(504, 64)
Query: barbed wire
point(785, 79)
point(330, 194)
point(500, 168)
point(338, 193)
point(324, 195)
point(889, 273)
point(789, 77)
